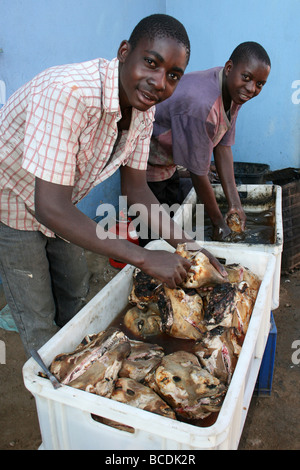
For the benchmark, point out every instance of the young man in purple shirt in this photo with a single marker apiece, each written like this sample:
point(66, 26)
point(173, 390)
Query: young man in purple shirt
point(198, 120)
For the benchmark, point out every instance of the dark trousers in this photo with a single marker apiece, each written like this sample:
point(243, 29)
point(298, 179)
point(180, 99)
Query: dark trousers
point(167, 191)
point(171, 191)
point(45, 281)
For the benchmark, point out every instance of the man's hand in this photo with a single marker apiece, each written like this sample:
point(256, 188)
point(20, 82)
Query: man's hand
point(169, 268)
point(240, 212)
point(221, 232)
point(224, 164)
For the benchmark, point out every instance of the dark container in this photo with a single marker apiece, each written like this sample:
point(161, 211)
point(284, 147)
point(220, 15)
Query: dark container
point(291, 225)
point(250, 173)
point(289, 180)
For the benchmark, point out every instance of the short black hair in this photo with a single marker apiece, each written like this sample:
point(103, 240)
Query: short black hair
point(163, 26)
point(248, 49)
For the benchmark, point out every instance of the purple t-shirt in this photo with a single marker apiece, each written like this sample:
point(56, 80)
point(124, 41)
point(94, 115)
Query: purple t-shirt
point(189, 124)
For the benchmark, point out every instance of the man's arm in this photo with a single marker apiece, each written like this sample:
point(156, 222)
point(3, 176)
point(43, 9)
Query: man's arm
point(206, 195)
point(224, 163)
point(54, 209)
point(134, 186)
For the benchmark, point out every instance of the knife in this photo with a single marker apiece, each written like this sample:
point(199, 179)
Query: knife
point(41, 363)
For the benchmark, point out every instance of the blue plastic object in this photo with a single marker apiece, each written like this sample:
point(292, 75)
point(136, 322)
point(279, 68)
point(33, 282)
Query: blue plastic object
point(264, 381)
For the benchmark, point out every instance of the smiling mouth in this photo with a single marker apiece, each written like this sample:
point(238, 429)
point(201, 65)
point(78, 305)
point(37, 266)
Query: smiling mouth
point(148, 98)
point(245, 97)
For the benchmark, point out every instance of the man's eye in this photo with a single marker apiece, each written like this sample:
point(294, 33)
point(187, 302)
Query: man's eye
point(246, 77)
point(150, 61)
point(174, 76)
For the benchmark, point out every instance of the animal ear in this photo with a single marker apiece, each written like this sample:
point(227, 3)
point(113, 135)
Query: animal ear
point(123, 51)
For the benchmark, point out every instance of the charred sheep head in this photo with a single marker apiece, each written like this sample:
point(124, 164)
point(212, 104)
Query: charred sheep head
point(188, 388)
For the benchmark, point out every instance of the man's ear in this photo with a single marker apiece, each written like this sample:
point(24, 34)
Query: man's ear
point(123, 51)
point(228, 67)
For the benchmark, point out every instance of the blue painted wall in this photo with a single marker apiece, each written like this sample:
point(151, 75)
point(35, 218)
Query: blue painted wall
point(36, 34)
point(268, 127)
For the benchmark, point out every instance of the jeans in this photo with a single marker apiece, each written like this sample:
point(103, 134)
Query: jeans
point(45, 282)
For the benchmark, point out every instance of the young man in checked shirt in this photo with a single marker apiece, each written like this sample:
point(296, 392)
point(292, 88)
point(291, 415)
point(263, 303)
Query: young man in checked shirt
point(61, 134)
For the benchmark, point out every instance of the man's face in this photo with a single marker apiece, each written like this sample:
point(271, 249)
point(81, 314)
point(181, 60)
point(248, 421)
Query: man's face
point(150, 72)
point(244, 81)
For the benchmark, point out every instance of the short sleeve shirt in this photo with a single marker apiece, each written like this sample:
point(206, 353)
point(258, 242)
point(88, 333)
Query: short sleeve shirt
point(62, 127)
point(190, 124)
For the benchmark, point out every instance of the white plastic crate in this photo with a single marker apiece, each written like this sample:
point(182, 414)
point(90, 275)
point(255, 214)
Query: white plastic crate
point(65, 414)
point(255, 198)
